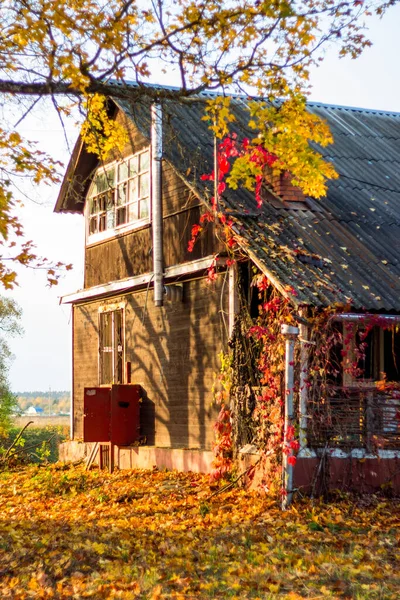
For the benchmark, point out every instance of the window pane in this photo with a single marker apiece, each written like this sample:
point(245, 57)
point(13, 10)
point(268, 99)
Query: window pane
point(94, 189)
point(367, 346)
point(133, 212)
point(133, 166)
point(109, 196)
point(121, 216)
point(110, 218)
point(93, 207)
point(101, 182)
point(133, 190)
point(119, 346)
point(106, 367)
point(106, 329)
point(102, 202)
point(122, 194)
point(93, 225)
point(144, 161)
point(102, 222)
point(110, 177)
point(106, 348)
point(123, 171)
point(111, 347)
point(391, 340)
point(144, 185)
point(144, 209)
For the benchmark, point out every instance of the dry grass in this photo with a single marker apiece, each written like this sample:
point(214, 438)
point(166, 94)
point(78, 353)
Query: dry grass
point(41, 422)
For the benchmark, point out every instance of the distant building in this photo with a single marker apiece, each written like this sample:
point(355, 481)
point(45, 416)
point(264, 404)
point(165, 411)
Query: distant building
point(32, 410)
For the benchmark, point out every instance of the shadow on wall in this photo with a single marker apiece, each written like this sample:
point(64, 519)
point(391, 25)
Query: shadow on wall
point(148, 419)
point(86, 358)
point(173, 352)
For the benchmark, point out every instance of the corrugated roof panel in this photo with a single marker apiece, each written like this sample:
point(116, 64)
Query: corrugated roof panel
point(356, 232)
point(367, 148)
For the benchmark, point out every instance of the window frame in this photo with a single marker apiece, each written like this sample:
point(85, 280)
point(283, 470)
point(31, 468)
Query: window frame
point(115, 230)
point(378, 418)
point(111, 310)
point(354, 412)
point(378, 364)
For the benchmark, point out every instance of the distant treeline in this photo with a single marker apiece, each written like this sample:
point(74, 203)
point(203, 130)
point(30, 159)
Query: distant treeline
point(52, 402)
point(50, 394)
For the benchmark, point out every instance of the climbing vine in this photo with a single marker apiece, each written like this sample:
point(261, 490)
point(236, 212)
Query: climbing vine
point(348, 406)
point(252, 396)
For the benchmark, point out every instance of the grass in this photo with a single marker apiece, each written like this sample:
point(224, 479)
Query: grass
point(35, 439)
point(42, 421)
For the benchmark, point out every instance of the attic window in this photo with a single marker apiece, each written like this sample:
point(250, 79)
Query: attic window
point(119, 195)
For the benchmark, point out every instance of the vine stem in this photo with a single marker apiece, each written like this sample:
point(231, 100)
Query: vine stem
point(234, 482)
point(16, 441)
point(26, 448)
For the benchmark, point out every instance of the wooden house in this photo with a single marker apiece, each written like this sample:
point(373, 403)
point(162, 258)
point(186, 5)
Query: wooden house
point(147, 314)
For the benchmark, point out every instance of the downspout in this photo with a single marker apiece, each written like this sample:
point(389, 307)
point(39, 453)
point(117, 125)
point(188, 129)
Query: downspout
point(290, 333)
point(157, 220)
point(216, 172)
point(72, 417)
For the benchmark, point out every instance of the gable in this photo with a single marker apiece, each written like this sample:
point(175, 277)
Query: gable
point(83, 165)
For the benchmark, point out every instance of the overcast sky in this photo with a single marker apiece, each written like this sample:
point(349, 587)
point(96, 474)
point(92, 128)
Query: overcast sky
point(43, 354)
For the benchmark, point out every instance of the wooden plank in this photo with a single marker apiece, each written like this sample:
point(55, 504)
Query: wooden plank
point(92, 456)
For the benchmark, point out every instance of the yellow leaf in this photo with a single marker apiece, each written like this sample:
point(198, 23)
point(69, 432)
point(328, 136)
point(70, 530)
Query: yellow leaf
point(312, 570)
point(156, 593)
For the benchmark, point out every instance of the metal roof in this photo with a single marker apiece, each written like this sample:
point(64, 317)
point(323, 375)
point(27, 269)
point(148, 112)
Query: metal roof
point(347, 249)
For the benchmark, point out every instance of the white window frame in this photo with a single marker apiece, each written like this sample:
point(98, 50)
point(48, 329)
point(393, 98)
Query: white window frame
point(114, 230)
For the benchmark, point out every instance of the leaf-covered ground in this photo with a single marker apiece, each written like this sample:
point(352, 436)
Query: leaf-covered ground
point(67, 533)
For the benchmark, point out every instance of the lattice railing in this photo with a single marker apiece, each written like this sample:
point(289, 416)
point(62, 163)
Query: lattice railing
point(355, 417)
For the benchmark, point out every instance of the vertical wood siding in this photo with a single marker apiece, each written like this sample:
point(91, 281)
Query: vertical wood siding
point(174, 355)
point(85, 358)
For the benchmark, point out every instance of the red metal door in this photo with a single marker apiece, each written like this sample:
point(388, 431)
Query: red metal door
point(97, 414)
point(125, 406)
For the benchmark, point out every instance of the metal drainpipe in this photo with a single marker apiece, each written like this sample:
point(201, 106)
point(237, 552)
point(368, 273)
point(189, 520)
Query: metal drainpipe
point(290, 334)
point(71, 424)
point(216, 174)
point(157, 221)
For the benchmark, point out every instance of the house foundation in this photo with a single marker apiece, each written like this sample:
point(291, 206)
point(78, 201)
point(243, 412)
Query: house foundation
point(366, 474)
point(360, 474)
point(144, 457)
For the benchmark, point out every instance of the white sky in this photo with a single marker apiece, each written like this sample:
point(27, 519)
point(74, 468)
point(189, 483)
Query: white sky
point(43, 354)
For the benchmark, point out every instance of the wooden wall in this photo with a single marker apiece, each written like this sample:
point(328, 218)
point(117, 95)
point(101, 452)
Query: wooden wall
point(174, 355)
point(131, 254)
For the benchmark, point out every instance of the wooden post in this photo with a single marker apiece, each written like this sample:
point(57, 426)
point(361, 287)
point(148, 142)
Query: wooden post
point(128, 372)
point(303, 386)
point(111, 461)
